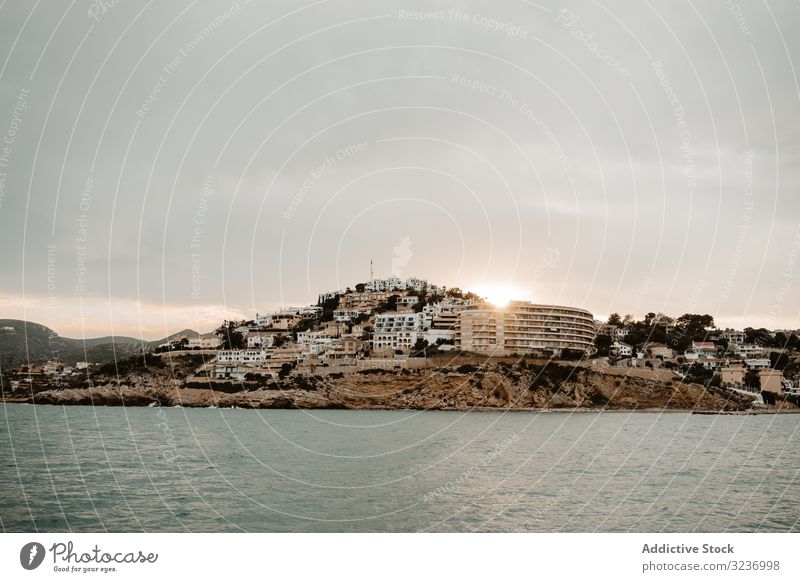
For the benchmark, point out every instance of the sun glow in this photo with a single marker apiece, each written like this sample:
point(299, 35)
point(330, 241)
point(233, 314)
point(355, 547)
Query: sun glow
point(500, 294)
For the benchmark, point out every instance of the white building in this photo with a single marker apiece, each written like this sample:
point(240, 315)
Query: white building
point(306, 338)
point(260, 340)
point(733, 336)
point(622, 349)
point(407, 302)
point(397, 340)
point(397, 331)
point(701, 351)
point(393, 321)
point(621, 332)
point(242, 356)
point(748, 350)
point(446, 306)
point(207, 341)
point(389, 284)
point(229, 372)
point(330, 295)
point(758, 363)
point(308, 312)
point(395, 284)
point(318, 346)
point(419, 284)
point(345, 314)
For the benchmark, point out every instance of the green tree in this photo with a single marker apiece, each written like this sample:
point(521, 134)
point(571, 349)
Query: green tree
point(470, 296)
point(614, 319)
point(603, 344)
point(694, 324)
point(780, 341)
point(285, 370)
point(760, 336)
point(697, 373)
point(231, 339)
point(328, 307)
point(778, 360)
point(418, 351)
point(752, 380)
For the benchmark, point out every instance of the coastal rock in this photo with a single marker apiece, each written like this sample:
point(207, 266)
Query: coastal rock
point(523, 385)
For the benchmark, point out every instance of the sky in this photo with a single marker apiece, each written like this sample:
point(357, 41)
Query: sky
point(170, 165)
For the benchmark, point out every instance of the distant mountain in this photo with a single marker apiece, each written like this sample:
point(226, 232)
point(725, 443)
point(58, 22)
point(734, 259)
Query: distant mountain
point(184, 333)
point(24, 342)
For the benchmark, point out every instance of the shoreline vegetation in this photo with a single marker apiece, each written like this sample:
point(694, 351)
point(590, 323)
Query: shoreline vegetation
point(446, 384)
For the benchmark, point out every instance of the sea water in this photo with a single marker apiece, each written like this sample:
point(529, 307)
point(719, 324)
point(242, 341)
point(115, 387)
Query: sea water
point(182, 469)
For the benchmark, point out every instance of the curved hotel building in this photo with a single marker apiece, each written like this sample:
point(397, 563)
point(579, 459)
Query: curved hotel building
point(523, 327)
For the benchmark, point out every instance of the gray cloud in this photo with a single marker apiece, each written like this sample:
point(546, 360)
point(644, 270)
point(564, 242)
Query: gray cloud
point(329, 132)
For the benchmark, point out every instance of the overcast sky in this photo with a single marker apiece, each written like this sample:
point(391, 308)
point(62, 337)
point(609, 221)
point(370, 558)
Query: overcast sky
point(168, 165)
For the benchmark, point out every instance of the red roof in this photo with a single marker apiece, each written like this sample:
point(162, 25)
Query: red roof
point(704, 345)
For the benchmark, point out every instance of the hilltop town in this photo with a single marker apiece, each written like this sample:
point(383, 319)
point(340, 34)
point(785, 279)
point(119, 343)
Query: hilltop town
point(384, 342)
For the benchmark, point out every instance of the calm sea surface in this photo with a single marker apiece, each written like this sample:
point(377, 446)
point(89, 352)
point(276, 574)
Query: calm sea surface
point(180, 469)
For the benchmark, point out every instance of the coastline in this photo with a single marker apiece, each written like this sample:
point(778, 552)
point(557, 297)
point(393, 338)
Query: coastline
point(478, 409)
point(486, 387)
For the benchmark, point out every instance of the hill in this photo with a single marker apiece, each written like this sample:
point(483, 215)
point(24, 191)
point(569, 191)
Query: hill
point(24, 342)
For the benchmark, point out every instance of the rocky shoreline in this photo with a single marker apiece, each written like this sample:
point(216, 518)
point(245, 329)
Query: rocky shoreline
point(522, 386)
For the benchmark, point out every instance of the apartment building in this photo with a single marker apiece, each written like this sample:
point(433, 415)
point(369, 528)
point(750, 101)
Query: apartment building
point(364, 301)
point(345, 314)
point(733, 336)
point(523, 327)
point(260, 340)
point(342, 350)
point(388, 284)
point(397, 331)
point(748, 351)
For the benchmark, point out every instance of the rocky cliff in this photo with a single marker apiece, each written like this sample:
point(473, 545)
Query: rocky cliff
point(488, 386)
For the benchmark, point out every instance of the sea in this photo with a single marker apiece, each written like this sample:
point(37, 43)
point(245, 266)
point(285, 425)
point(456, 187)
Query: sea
point(90, 469)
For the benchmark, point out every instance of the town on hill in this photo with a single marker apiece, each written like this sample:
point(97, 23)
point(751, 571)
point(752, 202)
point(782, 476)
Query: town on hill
point(396, 327)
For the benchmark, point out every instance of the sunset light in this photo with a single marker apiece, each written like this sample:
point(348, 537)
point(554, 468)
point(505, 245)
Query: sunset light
point(500, 294)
